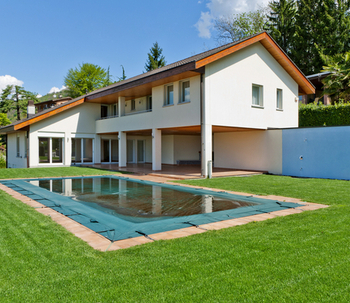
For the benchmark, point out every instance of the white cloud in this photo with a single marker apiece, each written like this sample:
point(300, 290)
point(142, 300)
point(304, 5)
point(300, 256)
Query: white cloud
point(224, 8)
point(38, 96)
point(56, 89)
point(9, 80)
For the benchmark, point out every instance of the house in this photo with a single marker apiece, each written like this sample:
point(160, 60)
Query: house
point(221, 103)
point(50, 103)
point(316, 80)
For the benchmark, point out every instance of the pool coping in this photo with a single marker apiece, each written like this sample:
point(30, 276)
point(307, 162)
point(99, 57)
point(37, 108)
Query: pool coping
point(101, 243)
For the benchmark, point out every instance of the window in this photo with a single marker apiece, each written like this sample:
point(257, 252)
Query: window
point(82, 150)
point(149, 103)
point(133, 104)
point(185, 92)
point(25, 147)
point(104, 111)
point(169, 95)
point(279, 98)
point(115, 110)
point(50, 150)
point(257, 95)
point(18, 151)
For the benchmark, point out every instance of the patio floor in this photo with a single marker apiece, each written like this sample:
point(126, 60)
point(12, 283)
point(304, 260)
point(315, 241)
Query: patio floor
point(180, 172)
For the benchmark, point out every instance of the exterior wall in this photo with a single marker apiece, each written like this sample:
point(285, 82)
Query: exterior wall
point(168, 149)
point(252, 150)
point(187, 148)
point(161, 116)
point(15, 161)
point(320, 152)
point(228, 86)
point(78, 122)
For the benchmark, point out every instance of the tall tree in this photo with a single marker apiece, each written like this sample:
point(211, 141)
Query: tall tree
point(123, 77)
point(155, 58)
point(15, 97)
point(321, 27)
point(85, 78)
point(239, 26)
point(281, 23)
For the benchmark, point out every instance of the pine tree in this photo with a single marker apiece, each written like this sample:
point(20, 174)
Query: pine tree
point(281, 23)
point(155, 58)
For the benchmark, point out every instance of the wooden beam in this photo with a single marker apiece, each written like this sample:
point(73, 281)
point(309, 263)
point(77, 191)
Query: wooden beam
point(48, 114)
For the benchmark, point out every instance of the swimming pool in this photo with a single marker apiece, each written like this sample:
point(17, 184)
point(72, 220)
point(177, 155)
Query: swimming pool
point(120, 208)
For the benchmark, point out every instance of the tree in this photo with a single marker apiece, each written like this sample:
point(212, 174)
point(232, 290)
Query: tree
point(85, 78)
point(4, 120)
point(337, 83)
point(155, 58)
point(321, 27)
point(239, 26)
point(15, 97)
point(123, 77)
point(281, 23)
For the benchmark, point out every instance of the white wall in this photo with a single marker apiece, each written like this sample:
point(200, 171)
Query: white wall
point(255, 150)
point(187, 147)
point(78, 122)
point(161, 116)
point(13, 160)
point(228, 86)
point(168, 149)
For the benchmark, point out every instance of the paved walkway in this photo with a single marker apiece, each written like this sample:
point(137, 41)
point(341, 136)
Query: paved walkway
point(101, 243)
point(180, 172)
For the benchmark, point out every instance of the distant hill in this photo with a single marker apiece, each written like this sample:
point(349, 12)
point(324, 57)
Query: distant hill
point(62, 94)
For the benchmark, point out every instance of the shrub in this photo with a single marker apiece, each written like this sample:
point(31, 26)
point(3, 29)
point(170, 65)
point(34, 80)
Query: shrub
point(324, 115)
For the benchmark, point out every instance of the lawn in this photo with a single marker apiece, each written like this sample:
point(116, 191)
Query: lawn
point(298, 258)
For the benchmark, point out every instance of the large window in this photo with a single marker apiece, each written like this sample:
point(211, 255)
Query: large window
point(50, 150)
point(185, 92)
point(82, 150)
point(169, 95)
point(279, 101)
point(104, 111)
point(257, 95)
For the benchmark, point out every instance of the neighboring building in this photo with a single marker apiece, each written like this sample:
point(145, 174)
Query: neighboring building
point(50, 103)
point(220, 102)
point(317, 96)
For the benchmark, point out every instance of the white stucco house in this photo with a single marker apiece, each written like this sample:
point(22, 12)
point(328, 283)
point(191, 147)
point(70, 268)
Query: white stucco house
point(222, 103)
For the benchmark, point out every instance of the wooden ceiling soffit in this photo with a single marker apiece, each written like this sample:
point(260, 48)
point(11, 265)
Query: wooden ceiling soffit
point(48, 114)
point(305, 87)
point(154, 80)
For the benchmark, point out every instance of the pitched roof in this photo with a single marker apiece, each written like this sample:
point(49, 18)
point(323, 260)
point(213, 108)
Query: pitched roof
point(193, 63)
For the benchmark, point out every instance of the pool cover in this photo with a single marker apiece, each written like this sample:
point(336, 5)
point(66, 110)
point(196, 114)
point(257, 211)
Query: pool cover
point(116, 228)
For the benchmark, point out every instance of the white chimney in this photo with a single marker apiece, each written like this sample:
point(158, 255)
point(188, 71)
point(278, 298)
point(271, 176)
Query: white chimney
point(30, 109)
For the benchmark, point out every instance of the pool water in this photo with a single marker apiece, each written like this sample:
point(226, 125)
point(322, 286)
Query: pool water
point(138, 202)
point(120, 208)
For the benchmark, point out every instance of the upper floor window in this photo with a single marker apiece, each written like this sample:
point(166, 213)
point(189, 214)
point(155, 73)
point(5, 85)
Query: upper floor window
point(185, 91)
point(18, 151)
point(149, 103)
point(104, 111)
point(133, 104)
point(169, 95)
point(257, 95)
point(279, 99)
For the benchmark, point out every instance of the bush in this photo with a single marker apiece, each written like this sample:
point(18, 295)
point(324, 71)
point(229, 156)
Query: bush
point(324, 115)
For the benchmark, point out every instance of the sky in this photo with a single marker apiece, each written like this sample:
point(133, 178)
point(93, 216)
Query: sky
point(42, 40)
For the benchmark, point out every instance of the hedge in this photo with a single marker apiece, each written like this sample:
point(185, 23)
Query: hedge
point(324, 115)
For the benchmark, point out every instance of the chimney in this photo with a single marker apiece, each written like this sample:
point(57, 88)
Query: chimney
point(30, 109)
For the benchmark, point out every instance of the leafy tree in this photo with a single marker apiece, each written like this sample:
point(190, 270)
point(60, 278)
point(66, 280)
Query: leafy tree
point(85, 78)
point(239, 26)
point(123, 77)
point(337, 83)
point(4, 120)
point(281, 23)
point(15, 97)
point(155, 58)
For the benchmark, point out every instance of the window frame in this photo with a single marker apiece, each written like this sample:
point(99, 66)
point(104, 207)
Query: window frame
point(50, 150)
point(182, 92)
point(133, 105)
point(18, 146)
point(260, 97)
point(279, 102)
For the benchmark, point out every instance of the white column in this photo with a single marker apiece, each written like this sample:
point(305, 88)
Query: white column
point(156, 200)
point(121, 106)
point(156, 149)
point(67, 149)
point(122, 149)
point(207, 204)
point(206, 148)
point(122, 192)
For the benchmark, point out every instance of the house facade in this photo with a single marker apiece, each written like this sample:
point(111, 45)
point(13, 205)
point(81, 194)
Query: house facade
point(215, 108)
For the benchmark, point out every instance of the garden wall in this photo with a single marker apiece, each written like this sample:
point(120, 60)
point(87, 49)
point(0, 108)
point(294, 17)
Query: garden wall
point(319, 152)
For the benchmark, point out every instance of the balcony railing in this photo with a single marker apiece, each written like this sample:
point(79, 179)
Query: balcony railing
point(127, 114)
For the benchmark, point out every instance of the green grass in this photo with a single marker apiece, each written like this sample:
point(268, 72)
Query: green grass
point(298, 258)
point(13, 173)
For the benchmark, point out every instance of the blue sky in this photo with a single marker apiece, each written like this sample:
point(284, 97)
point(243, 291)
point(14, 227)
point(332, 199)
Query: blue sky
point(42, 40)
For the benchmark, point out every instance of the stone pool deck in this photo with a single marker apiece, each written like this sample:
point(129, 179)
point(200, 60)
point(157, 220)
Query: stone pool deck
point(101, 243)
